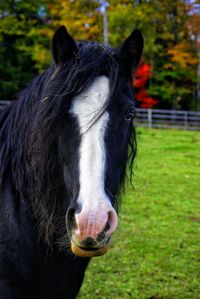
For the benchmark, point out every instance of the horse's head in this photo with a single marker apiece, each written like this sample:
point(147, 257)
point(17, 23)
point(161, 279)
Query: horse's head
point(95, 134)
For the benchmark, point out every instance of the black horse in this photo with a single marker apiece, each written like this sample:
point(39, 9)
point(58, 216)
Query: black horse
point(63, 155)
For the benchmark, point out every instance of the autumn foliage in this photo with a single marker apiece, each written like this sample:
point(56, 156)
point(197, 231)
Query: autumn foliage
point(143, 74)
point(169, 76)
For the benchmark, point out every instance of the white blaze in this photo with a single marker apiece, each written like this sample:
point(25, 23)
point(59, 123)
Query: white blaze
point(96, 209)
point(86, 107)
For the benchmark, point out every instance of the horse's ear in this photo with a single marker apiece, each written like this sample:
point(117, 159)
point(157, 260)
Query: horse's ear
point(130, 52)
point(63, 46)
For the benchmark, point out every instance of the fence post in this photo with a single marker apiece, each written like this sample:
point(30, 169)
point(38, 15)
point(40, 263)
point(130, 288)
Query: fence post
point(150, 118)
point(186, 120)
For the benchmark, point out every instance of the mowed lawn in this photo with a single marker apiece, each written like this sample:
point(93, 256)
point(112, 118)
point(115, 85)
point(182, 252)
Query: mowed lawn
point(155, 252)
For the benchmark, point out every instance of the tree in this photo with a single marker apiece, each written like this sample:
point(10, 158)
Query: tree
point(26, 29)
point(168, 44)
point(22, 38)
point(82, 18)
point(170, 30)
point(142, 77)
point(174, 78)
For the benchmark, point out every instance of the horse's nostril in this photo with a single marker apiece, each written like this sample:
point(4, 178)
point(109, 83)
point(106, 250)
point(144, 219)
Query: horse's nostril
point(100, 237)
point(107, 227)
point(71, 215)
point(111, 222)
point(70, 219)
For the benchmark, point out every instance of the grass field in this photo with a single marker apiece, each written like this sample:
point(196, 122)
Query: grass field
point(156, 251)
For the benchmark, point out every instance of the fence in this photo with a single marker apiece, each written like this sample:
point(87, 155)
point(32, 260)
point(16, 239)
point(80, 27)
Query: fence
point(154, 118)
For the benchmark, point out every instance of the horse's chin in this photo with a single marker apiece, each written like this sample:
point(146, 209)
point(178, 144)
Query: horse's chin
point(86, 252)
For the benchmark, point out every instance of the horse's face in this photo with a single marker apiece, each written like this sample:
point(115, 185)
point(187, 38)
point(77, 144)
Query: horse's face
point(96, 135)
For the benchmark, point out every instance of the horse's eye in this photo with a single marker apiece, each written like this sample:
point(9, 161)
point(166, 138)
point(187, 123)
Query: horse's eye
point(130, 113)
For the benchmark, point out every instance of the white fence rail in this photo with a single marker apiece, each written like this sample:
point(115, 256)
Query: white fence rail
point(155, 118)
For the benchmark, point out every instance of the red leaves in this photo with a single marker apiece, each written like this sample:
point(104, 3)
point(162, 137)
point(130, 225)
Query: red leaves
point(145, 100)
point(143, 74)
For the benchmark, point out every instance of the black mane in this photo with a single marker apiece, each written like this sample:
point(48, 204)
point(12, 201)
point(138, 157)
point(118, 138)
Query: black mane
point(30, 126)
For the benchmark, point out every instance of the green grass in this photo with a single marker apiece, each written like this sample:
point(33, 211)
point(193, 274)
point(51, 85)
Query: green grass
point(155, 252)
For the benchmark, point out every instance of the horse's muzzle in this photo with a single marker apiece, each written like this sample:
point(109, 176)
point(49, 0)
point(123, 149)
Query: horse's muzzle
point(90, 230)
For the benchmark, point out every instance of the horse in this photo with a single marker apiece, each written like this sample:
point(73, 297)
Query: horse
point(63, 162)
